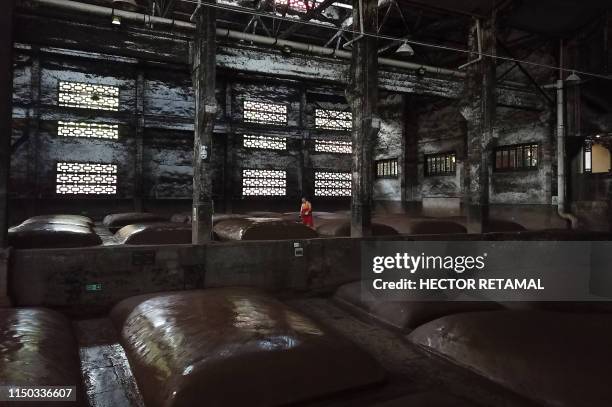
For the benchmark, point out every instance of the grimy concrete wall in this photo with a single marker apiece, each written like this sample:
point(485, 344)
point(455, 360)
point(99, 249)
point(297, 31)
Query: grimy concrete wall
point(165, 180)
point(89, 281)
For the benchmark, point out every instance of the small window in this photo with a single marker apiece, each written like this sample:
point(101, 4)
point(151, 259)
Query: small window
point(264, 183)
point(333, 146)
point(88, 130)
point(588, 157)
point(333, 119)
point(440, 164)
point(86, 179)
point(386, 168)
point(264, 113)
point(332, 183)
point(517, 157)
point(88, 96)
point(265, 142)
point(597, 158)
point(299, 6)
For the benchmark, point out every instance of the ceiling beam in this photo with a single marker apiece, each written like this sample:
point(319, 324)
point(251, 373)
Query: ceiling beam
point(309, 15)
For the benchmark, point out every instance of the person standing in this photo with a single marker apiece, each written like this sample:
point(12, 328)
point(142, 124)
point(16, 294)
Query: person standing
point(306, 213)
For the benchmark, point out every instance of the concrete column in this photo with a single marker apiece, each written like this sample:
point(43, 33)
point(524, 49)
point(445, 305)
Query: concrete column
point(306, 173)
point(230, 148)
point(139, 139)
point(6, 126)
point(479, 108)
point(203, 72)
point(410, 168)
point(362, 94)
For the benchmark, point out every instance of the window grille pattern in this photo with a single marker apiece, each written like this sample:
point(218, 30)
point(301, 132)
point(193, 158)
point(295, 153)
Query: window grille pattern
point(516, 157)
point(86, 178)
point(386, 168)
point(333, 119)
point(333, 146)
point(264, 113)
point(88, 130)
point(88, 96)
point(332, 183)
point(440, 164)
point(296, 5)
point(588, 157)
point(264, 183)
point(265, 142)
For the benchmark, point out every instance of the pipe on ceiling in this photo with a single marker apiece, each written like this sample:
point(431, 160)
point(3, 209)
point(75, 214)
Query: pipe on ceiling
point(91, 9)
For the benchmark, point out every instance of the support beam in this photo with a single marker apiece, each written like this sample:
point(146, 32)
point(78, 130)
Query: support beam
point(362, 94)
point(6, 129)
point(479, 108)
point(309, 15)
point(158, 47)
point(525, 72)
point(204, 83)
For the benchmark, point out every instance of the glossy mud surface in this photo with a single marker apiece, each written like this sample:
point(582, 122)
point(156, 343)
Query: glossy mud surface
point(234, 347)
point(262, 229)
point(37, 348)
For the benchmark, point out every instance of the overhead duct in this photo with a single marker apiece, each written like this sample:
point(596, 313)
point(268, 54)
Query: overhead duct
point(148, 20)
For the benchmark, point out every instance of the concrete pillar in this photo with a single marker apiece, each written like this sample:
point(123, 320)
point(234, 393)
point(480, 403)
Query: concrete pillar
point(6, 126)
point(306, 173)
point(230, 148)
point(362, 94)
point(204, 83)
point(139, 139)
point(479, 108)
point(410, 168)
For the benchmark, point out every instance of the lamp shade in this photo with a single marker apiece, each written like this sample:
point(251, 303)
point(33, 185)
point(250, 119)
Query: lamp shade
point(405, 50)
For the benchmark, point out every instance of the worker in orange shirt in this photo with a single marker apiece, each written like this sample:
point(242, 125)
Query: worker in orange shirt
point(306, 213)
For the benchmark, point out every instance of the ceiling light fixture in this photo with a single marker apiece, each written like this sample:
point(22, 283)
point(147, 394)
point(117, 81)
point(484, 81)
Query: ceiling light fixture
point(405, 50)
point(116, 20)
point(573, 78)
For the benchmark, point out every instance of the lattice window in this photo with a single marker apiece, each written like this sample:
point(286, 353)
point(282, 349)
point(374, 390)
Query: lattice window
point(88, 96)
point(265, 142)
point(333, 119)
point(264, 183)
point(88, 130)
point(386, 168)
point(516, 157)
point(86, 178)
point(332, 183)
point(440, 164)
point(264, 113)
point(296, 5)
point(333, 146)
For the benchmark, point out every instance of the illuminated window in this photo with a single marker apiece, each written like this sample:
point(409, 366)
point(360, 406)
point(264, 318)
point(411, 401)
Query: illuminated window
point(332, 183)
point(333, 119)
point(516, 157)
point(88, 130)
point(264, 183)
point(597, 158)
point(264, 113)
point(86, 178)
point(296, 5)
point(386, 168)
point(265, 142)
point(440, 164)
point(88, 96)
point(333, 146)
